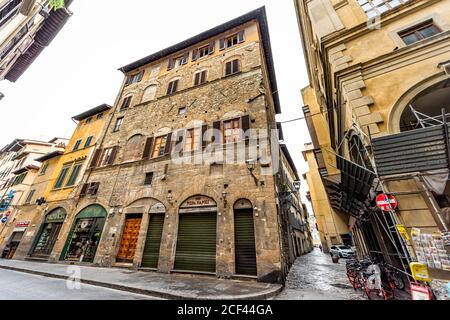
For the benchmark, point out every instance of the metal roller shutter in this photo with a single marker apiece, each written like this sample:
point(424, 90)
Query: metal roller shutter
point(196, 244)
point(245, 248)
point(153, 242)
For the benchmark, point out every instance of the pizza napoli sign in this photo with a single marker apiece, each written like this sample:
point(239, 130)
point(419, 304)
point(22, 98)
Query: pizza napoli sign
point(200, 201)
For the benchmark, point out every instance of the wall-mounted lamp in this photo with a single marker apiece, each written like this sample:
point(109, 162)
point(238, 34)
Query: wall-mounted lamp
point(170, 196)
point(251, 166)
point(224, 197)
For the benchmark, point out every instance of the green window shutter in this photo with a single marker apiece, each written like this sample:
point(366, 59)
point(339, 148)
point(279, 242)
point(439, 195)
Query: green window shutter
point(61, 177)
point(77, 145)
point(74, 175)
point(88, 141)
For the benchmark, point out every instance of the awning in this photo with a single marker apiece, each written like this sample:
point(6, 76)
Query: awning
point(349, 190)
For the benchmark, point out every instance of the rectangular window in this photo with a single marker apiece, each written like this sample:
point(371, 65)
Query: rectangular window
point(19, 179)
point(99, 116)
point(232, 67)
point(118, 124)
point(43, 169)
point(61, 177)
point(134, 78)
point(173, 87)
point(204, 51)
point(192, 139)
point(105, 158)
point(148, 179)
point(374, 8)
point(88, 141)
point(30, 196)
point(89, 120)
point(232, 131)
point(182, 111)
point(232, 40)
point(126, 103)
point(419, 32)
point(200, 78)
point(77, 145)
point(159, 147)
point(74, 175)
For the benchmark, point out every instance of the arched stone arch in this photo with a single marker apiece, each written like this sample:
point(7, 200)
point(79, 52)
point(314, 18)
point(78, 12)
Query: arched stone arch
point(239, 57)
point(143, 205)
point(399, 107)
point(198, 201)
point(243, 204)
point(134, 148)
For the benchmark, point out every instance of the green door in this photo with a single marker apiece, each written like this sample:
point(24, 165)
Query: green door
point(196, 244)
point(244, 242)
point(153, 242)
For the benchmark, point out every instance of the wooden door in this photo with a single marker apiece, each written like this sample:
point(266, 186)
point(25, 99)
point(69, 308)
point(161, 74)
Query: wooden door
point(129, 241)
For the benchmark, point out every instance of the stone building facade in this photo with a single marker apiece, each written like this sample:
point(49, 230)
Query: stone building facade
point(27, 27)
point(186, 175)
point(379, 84)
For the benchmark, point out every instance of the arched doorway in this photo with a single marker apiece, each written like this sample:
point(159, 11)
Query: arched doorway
point(197, 232)
point(427, 106)
point(85, 234)
point(49, 233)
point(152, 247)
point(244, 238)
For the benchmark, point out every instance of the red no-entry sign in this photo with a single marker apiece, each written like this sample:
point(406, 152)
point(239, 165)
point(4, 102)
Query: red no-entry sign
point(386, 202)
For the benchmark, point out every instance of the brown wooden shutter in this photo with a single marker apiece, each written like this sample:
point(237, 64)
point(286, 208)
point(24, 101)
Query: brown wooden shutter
point(228, 67)
point(84, 189)
point(245, 122)
point(168, 144)
point(175, 86)
point(197, 79)
point(235, 66)
point(212, 47)
point(94, 188)
point(204, 138)
point(148, 148)
point(140, 75)
point(217, 133)
point(222, 44)
point(95, 158)
point(203, 77)
point(113, 155)
point(171, 64)
point(241, 36)
point(195, 55)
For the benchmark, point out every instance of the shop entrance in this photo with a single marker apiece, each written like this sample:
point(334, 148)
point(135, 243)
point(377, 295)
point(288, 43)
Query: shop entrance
point(14, 243)
point(196, 244)
point(244, 238)
point(49, 233)
point(85, 235)
point(130, 236)
point(150, 258)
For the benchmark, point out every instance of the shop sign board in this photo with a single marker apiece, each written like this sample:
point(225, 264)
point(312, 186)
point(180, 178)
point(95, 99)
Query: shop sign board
point(22, 224)
point(386, 202)
point(419, 292)
point(402, 230)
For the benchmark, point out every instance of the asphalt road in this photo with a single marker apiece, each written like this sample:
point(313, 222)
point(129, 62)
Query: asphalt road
point(23, 286)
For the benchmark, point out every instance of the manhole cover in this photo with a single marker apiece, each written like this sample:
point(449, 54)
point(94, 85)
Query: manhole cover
point(341, 286)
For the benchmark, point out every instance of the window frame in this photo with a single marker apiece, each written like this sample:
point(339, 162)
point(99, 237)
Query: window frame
point(430, 23)
point(118, 124)
point(148, 181)
point(233, 72)
point(88, 142)
point(200, 77)
point(173, 86)
point(30, 196)
point(76, 165)
point(160, 146)
point(195, 140)
point(44, 168)
point(77, 145)
point(239, 128)
point(126, 103)
point(59, 182)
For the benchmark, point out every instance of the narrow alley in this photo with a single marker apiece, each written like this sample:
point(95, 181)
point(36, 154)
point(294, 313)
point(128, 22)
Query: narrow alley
point(315, 277)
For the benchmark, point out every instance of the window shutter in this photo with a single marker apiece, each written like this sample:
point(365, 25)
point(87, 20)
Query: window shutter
point(168, 144)
point(203, 137)
point(171, 64)
point(175, 86)
point(203, 77)
point(228, 66)
point(217, 133)
point(113, 155)
point(212, 47)
point(235, 66)
point(148, 148)
point(245, 120)
point(140, 75)
point(128, 80)
point(197, 79)
point(222, 44)
point(84, 189)
point(179, 139)
point(241, 36)
point(95, 158)
point(185, 58)
point(94, 188)
point(195, 55)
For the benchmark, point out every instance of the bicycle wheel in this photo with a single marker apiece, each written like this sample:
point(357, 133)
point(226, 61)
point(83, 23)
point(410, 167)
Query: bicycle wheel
point(399, 282)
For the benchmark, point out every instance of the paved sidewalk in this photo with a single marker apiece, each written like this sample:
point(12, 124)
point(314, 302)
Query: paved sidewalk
point(315, 277)
point(167, 286)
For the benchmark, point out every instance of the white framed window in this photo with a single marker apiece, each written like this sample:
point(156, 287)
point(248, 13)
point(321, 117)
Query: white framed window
point(374, 8)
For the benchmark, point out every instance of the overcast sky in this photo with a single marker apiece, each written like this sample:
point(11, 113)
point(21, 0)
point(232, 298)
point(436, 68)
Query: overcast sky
point(78, 71)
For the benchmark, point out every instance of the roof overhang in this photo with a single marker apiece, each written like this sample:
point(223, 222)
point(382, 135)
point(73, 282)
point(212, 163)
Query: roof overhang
point(25, 169)
point(101, 108)
point(49, 156)
point(258, 15)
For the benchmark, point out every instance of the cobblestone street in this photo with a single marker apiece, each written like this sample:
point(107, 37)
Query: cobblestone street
point(315, 277)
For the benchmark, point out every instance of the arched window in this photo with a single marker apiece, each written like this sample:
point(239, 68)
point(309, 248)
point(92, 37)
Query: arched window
point(232, 67)
point(134, 148)
point(149, 93)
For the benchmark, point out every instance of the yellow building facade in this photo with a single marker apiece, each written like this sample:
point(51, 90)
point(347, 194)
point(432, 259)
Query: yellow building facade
point(377, 108)
point(56, 186)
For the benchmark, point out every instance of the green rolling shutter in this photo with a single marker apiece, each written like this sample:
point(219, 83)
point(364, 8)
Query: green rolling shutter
point(196, 244)
point(245, 248)
point(153, 242)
